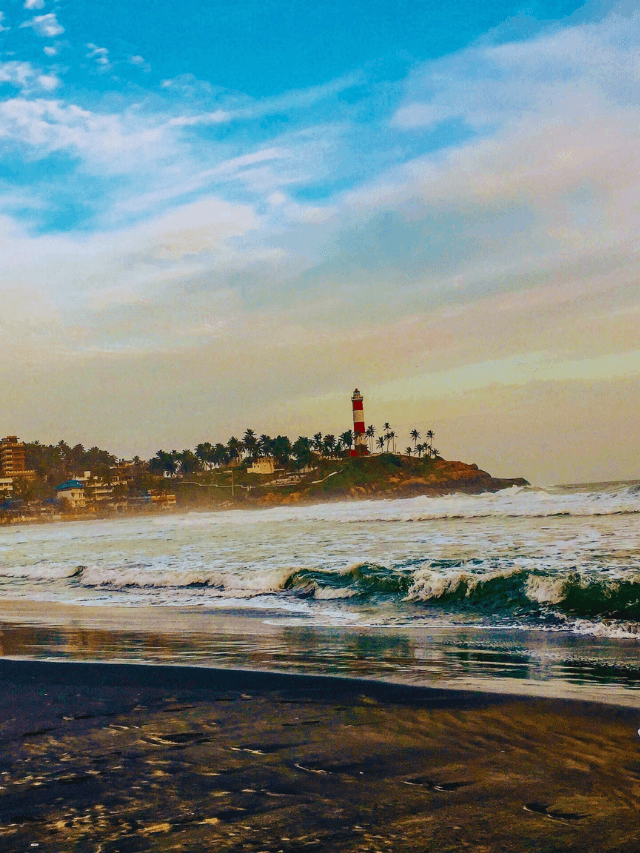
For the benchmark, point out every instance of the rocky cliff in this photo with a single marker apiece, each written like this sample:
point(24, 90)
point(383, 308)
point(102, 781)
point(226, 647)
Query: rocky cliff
point(385, 476)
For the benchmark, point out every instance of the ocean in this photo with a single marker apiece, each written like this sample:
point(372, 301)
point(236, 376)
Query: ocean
point(529, 589)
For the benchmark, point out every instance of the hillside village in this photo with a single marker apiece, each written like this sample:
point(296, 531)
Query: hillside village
point(53, 482)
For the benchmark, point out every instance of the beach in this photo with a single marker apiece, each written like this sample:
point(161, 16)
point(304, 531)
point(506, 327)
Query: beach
point(432, 674)
point(110, 757)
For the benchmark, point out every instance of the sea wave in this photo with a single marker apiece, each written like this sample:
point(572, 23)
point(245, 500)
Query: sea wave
point(447, 585)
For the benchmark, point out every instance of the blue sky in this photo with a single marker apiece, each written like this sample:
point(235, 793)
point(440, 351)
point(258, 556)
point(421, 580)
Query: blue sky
point(241, 211)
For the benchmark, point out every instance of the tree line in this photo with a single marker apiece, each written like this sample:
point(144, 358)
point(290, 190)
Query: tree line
point(299, 453)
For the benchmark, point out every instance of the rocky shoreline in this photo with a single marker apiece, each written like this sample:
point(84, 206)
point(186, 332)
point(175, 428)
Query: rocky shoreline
point(407, 479)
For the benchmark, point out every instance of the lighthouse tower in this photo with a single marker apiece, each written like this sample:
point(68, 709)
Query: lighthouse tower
point(359, 441)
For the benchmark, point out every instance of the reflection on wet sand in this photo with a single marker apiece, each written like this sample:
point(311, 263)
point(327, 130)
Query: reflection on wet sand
point(501, 661)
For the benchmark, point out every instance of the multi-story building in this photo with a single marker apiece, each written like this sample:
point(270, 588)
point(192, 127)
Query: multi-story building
point(73, 493)
point(12, 458)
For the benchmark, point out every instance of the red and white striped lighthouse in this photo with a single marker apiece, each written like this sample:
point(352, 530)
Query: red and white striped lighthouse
point(359, 440)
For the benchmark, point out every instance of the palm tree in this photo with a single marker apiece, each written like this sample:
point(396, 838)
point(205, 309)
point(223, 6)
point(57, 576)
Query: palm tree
point(420, 448)
point(430, 435)
point(189, 462)
point(234, 448)
point(435, 452)
point(390, 436)
point(346, 439)
point(204, 452)
point(408, 451)
point(250, 442)
point(370, 433)
point(220, 455)
point(317, 442)
point(329, 444)
point(415, 435)
point(264, 445)
point(380, 443)
point(165, 462)
point(387, 426)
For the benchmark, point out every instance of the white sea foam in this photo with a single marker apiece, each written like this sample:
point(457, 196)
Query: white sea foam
point(545, 590)
point(411, 552)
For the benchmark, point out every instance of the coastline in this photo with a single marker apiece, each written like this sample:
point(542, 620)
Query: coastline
point(500, 661)
point(366, 478)
point(112, 757)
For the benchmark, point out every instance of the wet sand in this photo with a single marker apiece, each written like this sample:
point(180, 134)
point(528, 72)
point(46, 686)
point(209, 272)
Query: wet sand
point(113, 757)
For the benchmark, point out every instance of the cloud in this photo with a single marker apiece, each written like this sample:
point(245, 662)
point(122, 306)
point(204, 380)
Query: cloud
point(34, 4)
point(46, 26)
point(100, 54)
point(139, 62)
point(24, 76)
point(246, 109)
point(471, 227)
point(3, 29)
point(51, 50)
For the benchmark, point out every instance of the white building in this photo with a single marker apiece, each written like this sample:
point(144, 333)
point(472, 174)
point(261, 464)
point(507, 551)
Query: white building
point(73, 493)
point(262, 466)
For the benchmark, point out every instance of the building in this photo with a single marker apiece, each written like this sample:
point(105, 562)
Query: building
point(262, 466)
point(73, 493)
point(12, 458)
point(97, 490)
point(359, 439)
point(6, 485)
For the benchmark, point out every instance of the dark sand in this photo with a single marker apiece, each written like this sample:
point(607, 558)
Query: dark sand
point(110, 757)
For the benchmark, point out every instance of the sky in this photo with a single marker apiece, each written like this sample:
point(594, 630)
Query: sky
point(219, 216)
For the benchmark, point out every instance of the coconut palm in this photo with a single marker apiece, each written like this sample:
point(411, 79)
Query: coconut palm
point(415, 435)
point(220, 455)
point(408, 451)
point(392, 437)
point(329, 444)
point(234, 448)
point(430, 436)
point(370, 433)
point(264, 445)
point(189, 462)
point(317, 442)
point(346, 439)
point(204, 453)
point(380, 442)
point(250, 442)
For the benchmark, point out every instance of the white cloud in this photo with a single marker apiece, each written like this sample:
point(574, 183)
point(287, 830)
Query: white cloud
point(34, 4)
point(139, 62)
point(51, 51)
point(100, 54)
point(116, 143)
point(46, 26)
point(49, 82)
point(3, 29)
point(23, 75)
point(246, 109)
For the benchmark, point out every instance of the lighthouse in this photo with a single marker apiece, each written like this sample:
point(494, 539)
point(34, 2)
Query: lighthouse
point(359, 441)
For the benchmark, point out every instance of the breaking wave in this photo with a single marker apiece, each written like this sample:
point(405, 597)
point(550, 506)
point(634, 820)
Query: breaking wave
point(448, 586)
